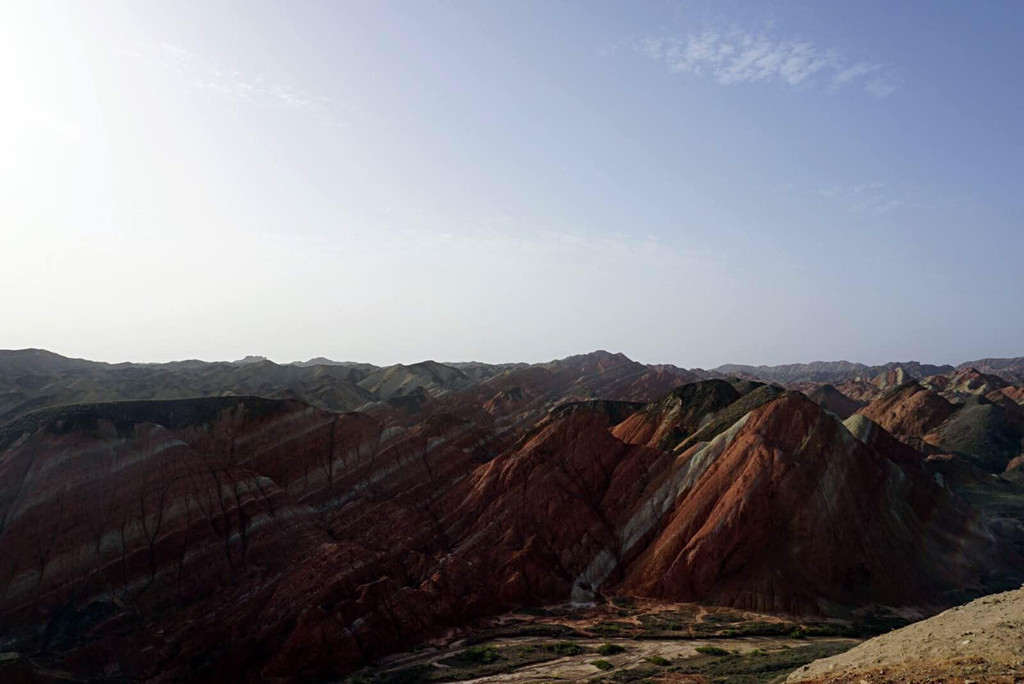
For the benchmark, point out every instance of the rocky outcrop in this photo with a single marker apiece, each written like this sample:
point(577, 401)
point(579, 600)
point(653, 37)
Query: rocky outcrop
point(984, 433)
point(1014, 393)
point(830, 371)
point(831, 399)
point(435, 378)
point(187, 538)
point(30, 381)
point(792, 512)
point(244, 538)
point(964, 384)
point(909, 412)
point(1011, 369)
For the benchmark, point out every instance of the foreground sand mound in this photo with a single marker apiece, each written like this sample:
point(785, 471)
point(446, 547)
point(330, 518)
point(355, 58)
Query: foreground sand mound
point(982, 641)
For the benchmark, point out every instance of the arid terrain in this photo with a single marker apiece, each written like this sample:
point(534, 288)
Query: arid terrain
point(251, 521)
point(982, 641)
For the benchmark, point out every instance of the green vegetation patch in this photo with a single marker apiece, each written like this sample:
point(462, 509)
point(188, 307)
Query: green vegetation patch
point(610, 649)
point(658, 660)
point(612, 628)
point(474, 655)
point(481, 660)
point(740, 629)
point(636, 674)
point(756, 667)
point(563, 648)
point(602, 665)
point(668, 621)
point(624, 601)
point(712, 651)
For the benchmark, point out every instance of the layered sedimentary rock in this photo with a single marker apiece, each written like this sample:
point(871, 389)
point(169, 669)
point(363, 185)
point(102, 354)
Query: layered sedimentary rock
point(834, 371)
point(258, 539)
point(1011, 370)
point(793, 512)
point(987, 434)
point(964, 383)
point(831, 399)
point(909, 412)
point(143, 536)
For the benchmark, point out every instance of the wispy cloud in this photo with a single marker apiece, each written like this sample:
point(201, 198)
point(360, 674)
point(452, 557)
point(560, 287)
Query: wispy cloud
point(202, 75)
point(874, 197)
point(739, 56)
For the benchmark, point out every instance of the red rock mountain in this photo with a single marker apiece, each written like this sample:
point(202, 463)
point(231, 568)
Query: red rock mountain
point(268, 540)
point(964, 383)
point(909, 412)
point(831, 399)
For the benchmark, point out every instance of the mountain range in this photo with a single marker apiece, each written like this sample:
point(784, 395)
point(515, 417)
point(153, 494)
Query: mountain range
point(252, 521)
point(34, 378)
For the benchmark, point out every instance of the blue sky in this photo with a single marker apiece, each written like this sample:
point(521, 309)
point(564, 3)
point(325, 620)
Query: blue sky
point(686, 182)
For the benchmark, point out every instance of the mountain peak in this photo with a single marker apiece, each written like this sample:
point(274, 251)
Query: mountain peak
point(251, 358)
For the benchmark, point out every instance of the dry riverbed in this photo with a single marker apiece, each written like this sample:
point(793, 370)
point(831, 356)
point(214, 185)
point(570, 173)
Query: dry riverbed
point(626, 641)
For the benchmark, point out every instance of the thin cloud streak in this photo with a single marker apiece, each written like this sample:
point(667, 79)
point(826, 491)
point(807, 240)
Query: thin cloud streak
point(200, 75)
point(874, 197)
point(739, 56)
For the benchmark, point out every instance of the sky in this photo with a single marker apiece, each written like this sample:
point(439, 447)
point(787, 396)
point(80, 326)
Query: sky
point(694, 183)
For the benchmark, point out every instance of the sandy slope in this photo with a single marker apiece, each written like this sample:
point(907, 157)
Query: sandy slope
point(982, 641)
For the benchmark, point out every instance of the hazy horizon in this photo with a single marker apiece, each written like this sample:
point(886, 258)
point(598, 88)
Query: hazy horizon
point(694, 183)
point(284, 361)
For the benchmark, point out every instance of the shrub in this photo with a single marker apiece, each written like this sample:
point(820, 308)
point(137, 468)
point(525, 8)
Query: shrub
point(480, 654)
point(603, 665)
point(566, 648)
point(798, 633)
point(624, 601)
point(610, 649)
point(712, 650)
point(658, 660)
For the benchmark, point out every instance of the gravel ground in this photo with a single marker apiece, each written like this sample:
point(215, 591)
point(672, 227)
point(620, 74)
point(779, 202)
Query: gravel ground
point(981, 642)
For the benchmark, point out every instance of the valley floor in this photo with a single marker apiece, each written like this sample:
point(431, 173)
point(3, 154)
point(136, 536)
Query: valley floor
point(623, 642)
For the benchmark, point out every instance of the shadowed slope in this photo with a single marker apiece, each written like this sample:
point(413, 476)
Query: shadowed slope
point(255, 539)
point(831, 399)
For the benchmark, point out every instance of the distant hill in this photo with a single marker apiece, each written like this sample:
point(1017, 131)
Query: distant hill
point(829, 371)
point(1008, 369)
point(31, 379)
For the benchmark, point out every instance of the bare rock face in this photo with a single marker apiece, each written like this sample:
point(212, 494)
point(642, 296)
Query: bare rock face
point(831, 399)
point(240, 538)
point(909, 412)
point(987, 434)
point(792, 511)
point(859, 390)
point(964, 383)
point(187, 538)
point(1015, 392)
point(1011, 370)
point(678, 415)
